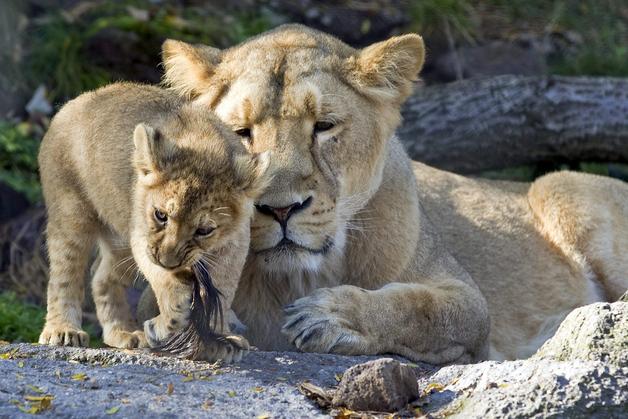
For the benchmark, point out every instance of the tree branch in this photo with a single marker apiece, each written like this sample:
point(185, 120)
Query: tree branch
point(476, 125)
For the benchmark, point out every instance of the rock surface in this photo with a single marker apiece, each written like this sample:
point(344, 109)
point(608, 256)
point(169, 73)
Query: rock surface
point(594, 332)
point(383, 385)
point(580, 372)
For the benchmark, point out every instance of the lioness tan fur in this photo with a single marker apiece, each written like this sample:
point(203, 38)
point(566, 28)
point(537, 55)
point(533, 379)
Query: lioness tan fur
point(156, 184)
point(355, 249)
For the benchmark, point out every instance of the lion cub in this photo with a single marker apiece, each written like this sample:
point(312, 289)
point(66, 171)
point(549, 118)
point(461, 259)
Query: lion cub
point(158, 185)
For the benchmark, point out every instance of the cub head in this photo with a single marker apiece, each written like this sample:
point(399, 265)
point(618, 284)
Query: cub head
point(324, 109)
point(195, 187)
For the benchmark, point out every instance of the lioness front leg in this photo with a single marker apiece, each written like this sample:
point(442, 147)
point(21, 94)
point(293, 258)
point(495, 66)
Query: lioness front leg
point(434, 322)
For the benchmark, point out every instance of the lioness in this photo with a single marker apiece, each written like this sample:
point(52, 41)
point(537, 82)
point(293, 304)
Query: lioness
point(355, 249)
point(157, 183)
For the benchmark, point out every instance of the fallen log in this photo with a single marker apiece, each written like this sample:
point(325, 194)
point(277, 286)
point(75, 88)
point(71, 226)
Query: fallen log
point(484, 124)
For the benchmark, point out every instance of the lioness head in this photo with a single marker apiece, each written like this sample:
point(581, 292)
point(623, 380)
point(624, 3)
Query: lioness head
point(325, 110)
point(195, 187)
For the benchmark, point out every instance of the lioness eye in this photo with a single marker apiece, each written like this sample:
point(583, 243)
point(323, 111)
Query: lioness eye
point(244, 132)
point(203, 231)
point(321, 126)
point(161, 217)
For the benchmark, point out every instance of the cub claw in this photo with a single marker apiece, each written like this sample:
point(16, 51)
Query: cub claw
point(64, 335)
point(227, 349)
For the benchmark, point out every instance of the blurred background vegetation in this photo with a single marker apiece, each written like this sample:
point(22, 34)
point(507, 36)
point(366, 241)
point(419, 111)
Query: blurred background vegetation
point(52, 50)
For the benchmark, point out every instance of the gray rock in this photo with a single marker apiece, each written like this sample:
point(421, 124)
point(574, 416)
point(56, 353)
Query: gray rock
point(383, 385)
point(580, 373)
point(534, 388)
point(597, 332)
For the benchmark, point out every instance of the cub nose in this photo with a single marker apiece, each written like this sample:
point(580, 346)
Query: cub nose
point(283, 214)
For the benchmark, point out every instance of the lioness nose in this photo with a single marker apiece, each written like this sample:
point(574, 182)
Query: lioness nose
point(282, 214)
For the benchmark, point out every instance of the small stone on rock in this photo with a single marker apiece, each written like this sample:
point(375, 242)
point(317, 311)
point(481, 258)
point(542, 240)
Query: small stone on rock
point(383, 385)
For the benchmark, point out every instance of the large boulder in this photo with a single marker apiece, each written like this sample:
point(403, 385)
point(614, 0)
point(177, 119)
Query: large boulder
point(597, 332)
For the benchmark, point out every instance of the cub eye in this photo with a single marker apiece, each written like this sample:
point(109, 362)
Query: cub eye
point(161, 217)
point(321, 126)
point(244, 132)
point(204, 231)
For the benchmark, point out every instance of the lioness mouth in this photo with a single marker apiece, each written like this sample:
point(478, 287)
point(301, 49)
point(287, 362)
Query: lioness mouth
point(287, 244)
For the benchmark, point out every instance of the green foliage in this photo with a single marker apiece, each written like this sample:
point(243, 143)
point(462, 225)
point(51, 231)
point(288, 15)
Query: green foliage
point(18, 159)
point(23, 322)
point(429, 15)
point(58, 57)
point(602, 25)
point(19, 321)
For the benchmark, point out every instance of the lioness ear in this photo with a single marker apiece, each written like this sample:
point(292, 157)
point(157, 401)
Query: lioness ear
point(188, 68)
point(151, 150)
point(253, 172)
point(386, 70)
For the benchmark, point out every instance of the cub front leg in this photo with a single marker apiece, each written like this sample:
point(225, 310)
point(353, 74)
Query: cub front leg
point(70, 238)
point(434, 322)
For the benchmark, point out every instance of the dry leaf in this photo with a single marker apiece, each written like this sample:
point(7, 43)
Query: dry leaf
point(258, 389)
point(20, 364)
point(81, 376)
point(113, 410)
point(281, 379)
point(170, 388)
point(433, 387)
point(316, 393)
point(344, 413)
point(34, 388)
point(263, 416)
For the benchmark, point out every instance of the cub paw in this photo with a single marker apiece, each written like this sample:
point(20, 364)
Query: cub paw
point(325, 322)
point(124, 339)
point(227, 349)
point(63, 335)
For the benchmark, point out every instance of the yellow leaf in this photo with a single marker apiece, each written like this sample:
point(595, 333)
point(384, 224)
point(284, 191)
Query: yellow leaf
point(170, 388)
point(113, 410)
point(258, 389)
point(81, 376)
point(344, 413)
point(434, 387)
point(34, 388)
point(188, 377)
point(263, 416)
point(20, 364)
point(231, 393)
point(8, 355)
point(338, 377)
point(30, 410)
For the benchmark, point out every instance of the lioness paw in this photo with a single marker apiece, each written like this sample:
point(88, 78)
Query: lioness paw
point(322, 322)
point(63, 335)
point(227, 349)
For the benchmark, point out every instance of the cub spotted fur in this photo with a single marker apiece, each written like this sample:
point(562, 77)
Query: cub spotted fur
point(156, 184)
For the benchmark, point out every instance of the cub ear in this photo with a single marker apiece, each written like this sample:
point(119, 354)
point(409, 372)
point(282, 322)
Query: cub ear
point(386, 70)
point(151, 151)
point(253, 172)
point(188, 68)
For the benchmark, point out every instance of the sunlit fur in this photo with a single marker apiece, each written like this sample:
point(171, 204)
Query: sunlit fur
point(110, 159)
point(417, 261)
